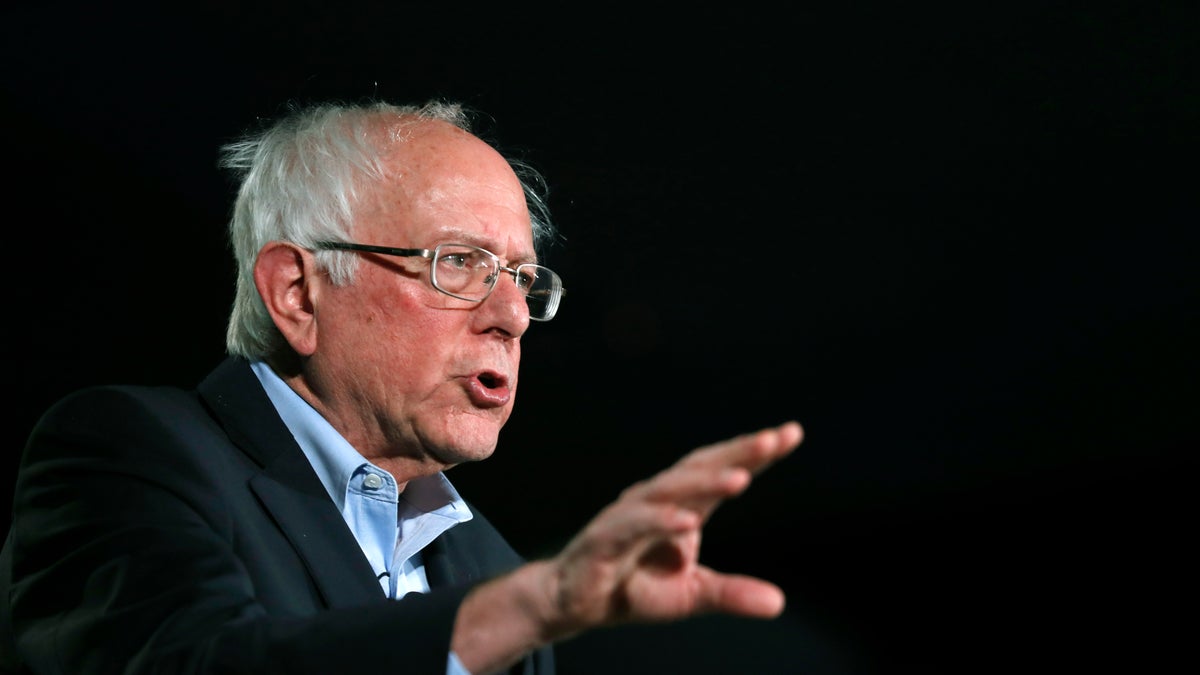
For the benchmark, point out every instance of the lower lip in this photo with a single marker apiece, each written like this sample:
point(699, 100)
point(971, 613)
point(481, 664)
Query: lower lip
point(485, 397)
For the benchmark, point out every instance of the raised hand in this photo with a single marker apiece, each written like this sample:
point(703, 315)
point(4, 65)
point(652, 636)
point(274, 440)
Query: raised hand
point(635, 561)
point(638, 559)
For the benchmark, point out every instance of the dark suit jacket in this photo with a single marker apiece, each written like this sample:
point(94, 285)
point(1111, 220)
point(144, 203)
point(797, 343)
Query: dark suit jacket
point(162, 530)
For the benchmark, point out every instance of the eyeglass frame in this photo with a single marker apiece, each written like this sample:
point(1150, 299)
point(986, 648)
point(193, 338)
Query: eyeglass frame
point(432, 255)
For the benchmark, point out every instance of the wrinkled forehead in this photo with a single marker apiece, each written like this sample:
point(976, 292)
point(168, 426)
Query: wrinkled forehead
point(441, 181)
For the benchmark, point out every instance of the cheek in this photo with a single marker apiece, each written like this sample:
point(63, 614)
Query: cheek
point(359, 321)
point(397, 330)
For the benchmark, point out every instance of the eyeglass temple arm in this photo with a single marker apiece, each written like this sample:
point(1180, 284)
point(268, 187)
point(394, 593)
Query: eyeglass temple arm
point(370, 248)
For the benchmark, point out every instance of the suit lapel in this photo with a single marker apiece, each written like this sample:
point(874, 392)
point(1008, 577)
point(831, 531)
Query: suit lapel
point(446, 563)
point(467, 553)
point(438, 570)
point(288, 488)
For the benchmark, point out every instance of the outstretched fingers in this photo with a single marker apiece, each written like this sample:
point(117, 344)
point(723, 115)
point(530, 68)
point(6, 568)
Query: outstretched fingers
point(753, 451)
point(705, 477)
point(629, 526)
point(639, 557)
point(692, 486)
point(739, 594)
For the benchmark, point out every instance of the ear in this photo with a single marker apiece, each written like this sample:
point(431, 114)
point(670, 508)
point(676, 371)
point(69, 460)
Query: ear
point(286, 278)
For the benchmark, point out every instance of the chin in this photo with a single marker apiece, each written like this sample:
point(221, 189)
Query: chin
point(456, 453)
point(468, 438)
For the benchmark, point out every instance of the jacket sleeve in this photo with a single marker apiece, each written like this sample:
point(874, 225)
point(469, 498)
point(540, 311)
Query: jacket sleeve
point(127, 557)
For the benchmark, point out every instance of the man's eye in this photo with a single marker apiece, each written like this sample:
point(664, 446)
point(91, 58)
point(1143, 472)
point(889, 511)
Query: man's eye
point(458, 260)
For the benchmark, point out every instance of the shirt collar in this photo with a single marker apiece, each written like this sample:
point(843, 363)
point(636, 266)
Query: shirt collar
point(335, 460)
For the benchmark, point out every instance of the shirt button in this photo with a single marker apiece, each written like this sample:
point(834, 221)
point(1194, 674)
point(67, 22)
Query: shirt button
point(372, 481)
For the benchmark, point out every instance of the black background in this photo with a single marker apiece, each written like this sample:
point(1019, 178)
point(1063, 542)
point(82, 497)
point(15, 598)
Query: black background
point(958, 246)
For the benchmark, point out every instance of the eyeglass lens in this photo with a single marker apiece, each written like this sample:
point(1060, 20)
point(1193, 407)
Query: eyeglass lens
point(469, 272)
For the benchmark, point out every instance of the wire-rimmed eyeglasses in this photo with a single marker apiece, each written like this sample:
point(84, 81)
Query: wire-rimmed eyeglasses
point(469, 273)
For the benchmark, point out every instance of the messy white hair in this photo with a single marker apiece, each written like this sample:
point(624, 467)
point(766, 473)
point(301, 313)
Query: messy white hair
point(300, 178)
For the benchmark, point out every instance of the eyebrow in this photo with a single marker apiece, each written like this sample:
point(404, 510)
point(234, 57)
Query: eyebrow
point(457, 236)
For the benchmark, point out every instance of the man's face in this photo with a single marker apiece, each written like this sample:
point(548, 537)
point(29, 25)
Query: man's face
point(400, 368)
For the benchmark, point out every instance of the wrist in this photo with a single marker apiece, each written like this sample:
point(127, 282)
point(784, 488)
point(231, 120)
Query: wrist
point(502, 620)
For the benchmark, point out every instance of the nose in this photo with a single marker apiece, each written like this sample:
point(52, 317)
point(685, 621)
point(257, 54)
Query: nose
point(505, 308)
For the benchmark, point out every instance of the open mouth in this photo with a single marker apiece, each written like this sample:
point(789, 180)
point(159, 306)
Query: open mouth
point(488, 389)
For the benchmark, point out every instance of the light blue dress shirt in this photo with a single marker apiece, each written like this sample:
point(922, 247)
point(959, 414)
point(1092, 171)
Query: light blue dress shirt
point(390, 526)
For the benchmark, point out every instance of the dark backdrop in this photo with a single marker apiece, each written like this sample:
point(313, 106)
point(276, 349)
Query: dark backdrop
point(959, 247)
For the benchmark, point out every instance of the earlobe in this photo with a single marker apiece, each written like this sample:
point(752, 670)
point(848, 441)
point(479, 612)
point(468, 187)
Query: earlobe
point(285, 274)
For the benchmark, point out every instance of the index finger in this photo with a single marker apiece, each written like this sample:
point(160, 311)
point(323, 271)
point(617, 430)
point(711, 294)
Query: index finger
point(753, 451)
